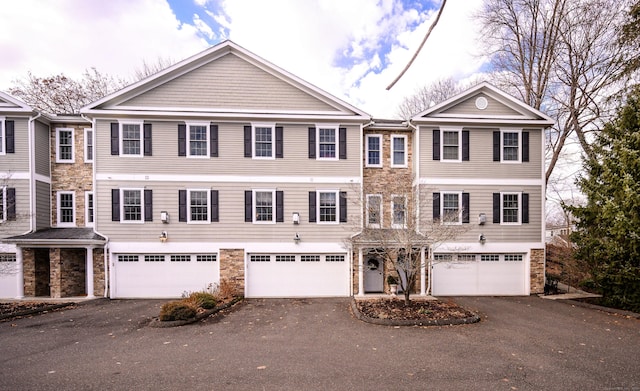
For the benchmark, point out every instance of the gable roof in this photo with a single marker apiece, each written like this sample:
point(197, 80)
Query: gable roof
point(482, 104)
point(225, 80)
point(9, 104)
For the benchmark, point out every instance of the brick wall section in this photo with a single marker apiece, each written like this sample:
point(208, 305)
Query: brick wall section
point(73, 272)
point(537, 270)
point(98, 272)
point(232, 267)
point(76, 176)
point(55, 273)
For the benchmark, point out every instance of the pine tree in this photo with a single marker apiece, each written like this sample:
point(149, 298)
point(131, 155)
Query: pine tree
point(608, 226)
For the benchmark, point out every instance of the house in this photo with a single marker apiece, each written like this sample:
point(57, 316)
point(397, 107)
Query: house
point(227, 167)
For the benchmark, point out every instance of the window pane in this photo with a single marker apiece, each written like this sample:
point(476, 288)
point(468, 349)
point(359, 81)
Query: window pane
point(375, 203)
point(90, 208)
point(131, 139)
point(451, 207)
point(327, 143)
point(398, 214)
point(264, 206)
point(199, 206)
point(398, 151)
point(132, 205)
point(510, 141)
point(66, 208)
point(450, 145)
point(89, 143)
point(263, 137)
point(328, 207)
point(510, 208)
point(2, 203)
point(198, 141)
point(374, 150)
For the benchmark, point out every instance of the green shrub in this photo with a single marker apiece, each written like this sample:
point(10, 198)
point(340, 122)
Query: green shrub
point(204, 300)
point(176, 310)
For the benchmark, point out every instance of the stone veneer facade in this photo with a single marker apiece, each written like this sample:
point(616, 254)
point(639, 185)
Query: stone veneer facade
point(232, 267)
point(537, 274)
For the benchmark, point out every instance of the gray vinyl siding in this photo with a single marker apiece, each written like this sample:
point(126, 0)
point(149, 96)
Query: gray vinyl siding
point(231, 226)
point(481, 201)
point(231, 160)
point(43, 155)
point(18, 161)
point(21, 224)
point(43, 205)
point(468, 107)
point(480, 164)
point(232, 83)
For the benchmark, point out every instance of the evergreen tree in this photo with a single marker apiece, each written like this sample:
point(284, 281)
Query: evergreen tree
point(608, 226)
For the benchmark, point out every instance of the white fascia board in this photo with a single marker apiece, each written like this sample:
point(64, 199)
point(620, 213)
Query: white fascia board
point(225, 178)
point(431, 181)
point(510, 121)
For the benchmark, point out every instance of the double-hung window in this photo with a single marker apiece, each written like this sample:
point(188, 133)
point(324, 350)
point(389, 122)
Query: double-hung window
point(66, 209)
point(131, 139)
point(88, 208)
point(328, 206)
point(2, 136)
point(198, 140)
point(328, 143)
point(64, 145)
point(511, 208)
point(374, 210)
point(3, 204)
point(398, 151)
point(132, 205)
point(198, 206)
point(451, 208)
point(264, 206)
point(374, 150)
point(398, 211)
point(510, 146)
point(88, 145)
point(264, 141)
point(451, 145)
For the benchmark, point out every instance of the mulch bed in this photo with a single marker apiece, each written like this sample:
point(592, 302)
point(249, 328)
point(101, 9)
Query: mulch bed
point(394, 312)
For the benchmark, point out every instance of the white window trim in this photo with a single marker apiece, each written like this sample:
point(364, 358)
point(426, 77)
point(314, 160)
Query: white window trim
point(208, 140)
point(502, 194)
point(337, 193)
point(3, 203)
point(121, 140)
point(207, 197)
point(380, 215)
point(442, 215)
point(510, 130)
point(273, 140)
point(395, 225)
point(3, 135)
point(122, 220)
point(73, 145)
point(450, 129)
point(87, 223)
point(59, 222)
point(367, 137)
point(336, 129)
point(273, 206)
point(406, 148)
point(86, 145)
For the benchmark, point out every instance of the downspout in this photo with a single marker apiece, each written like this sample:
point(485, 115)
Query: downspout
point(95, 206)
point(32, 172)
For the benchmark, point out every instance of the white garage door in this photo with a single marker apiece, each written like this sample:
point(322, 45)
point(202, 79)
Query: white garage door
point(297, 275)
point(479, 274)
point(162, 275)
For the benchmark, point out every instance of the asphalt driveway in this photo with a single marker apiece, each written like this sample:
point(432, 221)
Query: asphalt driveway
point(316, 344)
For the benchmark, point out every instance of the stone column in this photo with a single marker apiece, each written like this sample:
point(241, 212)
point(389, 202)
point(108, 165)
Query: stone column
point(89, 271)
point(19, 273)
point(360, 272)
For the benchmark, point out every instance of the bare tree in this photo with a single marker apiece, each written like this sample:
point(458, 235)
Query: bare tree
point(427, 96)
point(147, 69)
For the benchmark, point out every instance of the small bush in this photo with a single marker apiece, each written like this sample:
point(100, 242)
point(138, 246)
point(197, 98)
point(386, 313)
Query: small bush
point(228, 289)
point(176, 310)
point(203, 300)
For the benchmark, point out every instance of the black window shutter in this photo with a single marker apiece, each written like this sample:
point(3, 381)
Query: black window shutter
point(247, 141)
point(436, 144)
point(213, 140)
point(436, 206)
point(525, 146)
point(148, 205)
point(182, 140)
point(312, 206)
point(182, 205)
point(496, 208)
point(465, 207)
point(147, 140)
point(279, 206)
point(11, 203)
point(342, 142)
point(248, 206)
point(215, 210)
point(525, 208)
point(496, 146)
point(343, 206)
point(279, 142)
point(465, 145)
point(312, 143)
point(115, 204)
point(115, 140)
point(10, 135)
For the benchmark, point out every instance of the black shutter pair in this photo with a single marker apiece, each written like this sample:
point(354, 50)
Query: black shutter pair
point(342, 143)
point(465, 145)
point(10, 136)
point(313, 207)
point(146, 139)
point(213, 140)
point(183, 208)
point(497, 204)
point(465, 207)
point(497, 147)
point(279, 142)
point(248, 206)
point(115, 205)
point(11, 204)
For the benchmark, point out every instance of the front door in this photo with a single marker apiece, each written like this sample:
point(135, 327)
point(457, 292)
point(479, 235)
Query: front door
point(373, 276)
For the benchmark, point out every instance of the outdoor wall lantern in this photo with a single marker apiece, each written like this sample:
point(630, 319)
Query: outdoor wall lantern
point(482, 239)
point(296, 239)
point(164, 236)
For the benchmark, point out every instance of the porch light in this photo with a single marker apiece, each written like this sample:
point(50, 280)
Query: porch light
point(164, 236)
point(296, 239)
point(482, 239)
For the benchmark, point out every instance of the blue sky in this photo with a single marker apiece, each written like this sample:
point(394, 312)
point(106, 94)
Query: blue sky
point(352, 49)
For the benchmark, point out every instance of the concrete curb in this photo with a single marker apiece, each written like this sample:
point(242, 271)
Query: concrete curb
point(157, 323)
point(413, 322)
